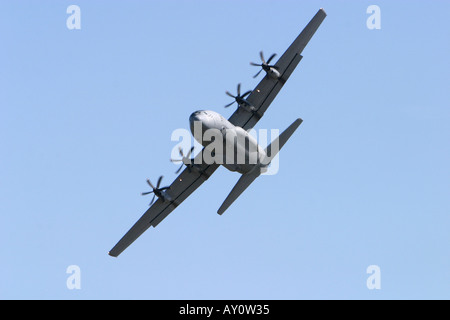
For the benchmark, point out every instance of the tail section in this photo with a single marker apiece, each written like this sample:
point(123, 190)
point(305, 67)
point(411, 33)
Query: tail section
point(276, 145)
point(246, 179)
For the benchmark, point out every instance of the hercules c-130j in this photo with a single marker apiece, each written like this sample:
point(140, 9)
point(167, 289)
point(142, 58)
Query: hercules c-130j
point(251, 107)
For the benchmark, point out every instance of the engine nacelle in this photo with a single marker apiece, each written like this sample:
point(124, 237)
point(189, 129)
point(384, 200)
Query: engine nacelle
point(165, 196)
point(274, 73)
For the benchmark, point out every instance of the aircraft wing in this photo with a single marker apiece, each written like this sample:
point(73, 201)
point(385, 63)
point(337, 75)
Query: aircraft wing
point(185, 184)
point(266, 91)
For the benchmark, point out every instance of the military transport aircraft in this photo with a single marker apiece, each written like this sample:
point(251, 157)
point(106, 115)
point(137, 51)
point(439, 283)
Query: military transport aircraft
point(251, 107)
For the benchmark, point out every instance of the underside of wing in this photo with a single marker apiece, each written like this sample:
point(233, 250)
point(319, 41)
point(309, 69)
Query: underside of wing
point(266, 91)
point(185, 184)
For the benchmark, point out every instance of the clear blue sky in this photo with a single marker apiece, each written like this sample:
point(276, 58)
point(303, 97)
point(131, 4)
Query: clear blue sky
point(87, 116)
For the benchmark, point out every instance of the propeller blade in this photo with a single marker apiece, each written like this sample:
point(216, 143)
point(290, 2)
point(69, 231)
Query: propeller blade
point(229, 105)
point(239, 89)
point(229, 94)
point(257, 74)
point(190, 151)
point(255, 64)
point(246, 94)
point(261, 54)
point(153, 199)
point(179, 169)
point(150, 184)
point(159, 182)
point(271, 57)
point(146, 193)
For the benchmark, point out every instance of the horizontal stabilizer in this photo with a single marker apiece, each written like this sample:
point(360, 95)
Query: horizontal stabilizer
point(276, 145)
point(240, 187)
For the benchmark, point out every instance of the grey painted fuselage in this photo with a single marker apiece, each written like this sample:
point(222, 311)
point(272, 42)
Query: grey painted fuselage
point(237, 151)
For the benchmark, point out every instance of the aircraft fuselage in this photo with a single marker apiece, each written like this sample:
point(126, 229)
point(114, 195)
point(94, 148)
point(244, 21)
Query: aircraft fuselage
point(237, 150)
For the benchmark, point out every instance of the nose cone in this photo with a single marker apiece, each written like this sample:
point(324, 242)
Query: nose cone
point(194, 117)
point(196, 124)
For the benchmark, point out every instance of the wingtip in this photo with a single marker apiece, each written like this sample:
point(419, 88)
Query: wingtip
point(323, 10)
point(111, 255)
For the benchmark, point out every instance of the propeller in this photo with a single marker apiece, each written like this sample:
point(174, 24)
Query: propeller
point(185, 159)
point(240, 99)
point(265, 65)
point(157, 191)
